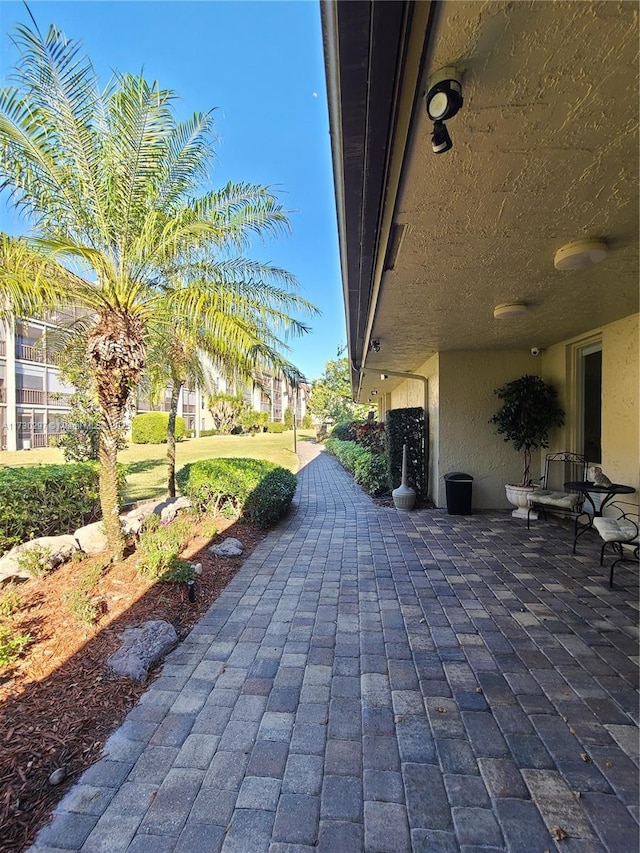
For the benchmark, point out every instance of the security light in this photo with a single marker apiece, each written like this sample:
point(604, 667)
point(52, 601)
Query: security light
point(440, 139)
point(443, 99)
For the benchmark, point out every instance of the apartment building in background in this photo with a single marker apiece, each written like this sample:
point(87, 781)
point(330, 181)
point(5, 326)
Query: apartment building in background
point(34, 401)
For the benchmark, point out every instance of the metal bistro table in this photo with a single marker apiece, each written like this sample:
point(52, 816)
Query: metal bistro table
point(589, 489)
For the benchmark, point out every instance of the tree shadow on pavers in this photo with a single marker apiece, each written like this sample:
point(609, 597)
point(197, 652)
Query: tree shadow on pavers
point(59, 715)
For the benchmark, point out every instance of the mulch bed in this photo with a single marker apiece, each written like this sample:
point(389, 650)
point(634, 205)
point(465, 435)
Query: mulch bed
point(60, 702)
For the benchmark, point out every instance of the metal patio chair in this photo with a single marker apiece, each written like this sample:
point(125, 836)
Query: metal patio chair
point(559, 468)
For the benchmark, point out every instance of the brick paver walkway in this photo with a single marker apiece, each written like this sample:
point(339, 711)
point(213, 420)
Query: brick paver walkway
point(383, 681)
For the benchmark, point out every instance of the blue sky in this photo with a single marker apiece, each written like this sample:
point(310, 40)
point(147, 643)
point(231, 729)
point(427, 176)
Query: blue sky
point(259, 64)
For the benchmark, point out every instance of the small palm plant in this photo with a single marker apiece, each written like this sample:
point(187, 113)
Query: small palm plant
point(529, 410)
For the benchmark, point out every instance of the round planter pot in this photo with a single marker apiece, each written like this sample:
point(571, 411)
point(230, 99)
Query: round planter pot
point(517, 495)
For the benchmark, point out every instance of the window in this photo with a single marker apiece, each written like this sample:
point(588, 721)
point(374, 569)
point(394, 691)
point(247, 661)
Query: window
point(589, 400)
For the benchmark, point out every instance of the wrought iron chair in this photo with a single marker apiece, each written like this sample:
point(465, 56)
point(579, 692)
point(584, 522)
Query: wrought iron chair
point(620, 531)
point(559, 468)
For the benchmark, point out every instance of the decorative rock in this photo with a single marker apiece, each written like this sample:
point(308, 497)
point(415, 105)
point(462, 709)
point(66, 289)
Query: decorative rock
point(167, 509)
point(92, 538)
point(229, 548)
point(59, 548)
point(133, 520)
point(141, 648)
point(58, 776)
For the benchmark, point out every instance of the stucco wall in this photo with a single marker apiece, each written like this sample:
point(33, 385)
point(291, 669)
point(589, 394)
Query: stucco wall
point(468, 441)
point(620, 392)
point(461, 401)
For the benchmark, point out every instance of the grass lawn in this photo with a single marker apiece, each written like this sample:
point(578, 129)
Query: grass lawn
point(146, 465)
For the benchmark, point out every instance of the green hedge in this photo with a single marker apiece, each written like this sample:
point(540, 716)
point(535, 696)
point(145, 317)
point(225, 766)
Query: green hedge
point(151, 428)
point(254, 488)
point(47, 500)
point(276, 426)
point(406, 426)
point(369, 469)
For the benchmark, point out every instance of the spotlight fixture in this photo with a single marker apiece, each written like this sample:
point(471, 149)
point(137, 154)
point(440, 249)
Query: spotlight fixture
point(374, 392)
point(375, 345)
point(580, 254)
point(384, 376)
point(443, 100)
point(440, 139)
point(509, 309)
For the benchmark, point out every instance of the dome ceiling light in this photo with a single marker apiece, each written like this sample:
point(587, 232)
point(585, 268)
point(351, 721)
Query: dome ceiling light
point(509, 309)
point(580, 254)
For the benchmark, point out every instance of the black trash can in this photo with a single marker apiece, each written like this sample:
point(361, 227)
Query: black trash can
point(459, 487)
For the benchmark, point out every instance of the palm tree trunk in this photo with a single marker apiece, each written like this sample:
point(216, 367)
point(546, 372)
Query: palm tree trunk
point(176, 387)
point(109, 492)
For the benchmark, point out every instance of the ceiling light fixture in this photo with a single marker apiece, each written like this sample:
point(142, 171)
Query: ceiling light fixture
point(580, 254)
point(375, 345)
point(509, 309)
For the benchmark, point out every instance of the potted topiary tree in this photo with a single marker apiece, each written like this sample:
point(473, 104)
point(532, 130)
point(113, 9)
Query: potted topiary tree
point(529, 410)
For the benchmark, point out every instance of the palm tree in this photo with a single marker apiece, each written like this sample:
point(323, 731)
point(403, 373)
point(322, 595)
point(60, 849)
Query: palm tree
point(234, 327)
point(112, 184)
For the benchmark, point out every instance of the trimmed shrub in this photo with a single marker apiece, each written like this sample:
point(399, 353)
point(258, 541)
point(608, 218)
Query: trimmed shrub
point(276, 426)
point(371, 474)
point(253, 421)
point(151, 428)
point(205, 433)
point(345, 430)
point(307, 421)
point(254, 488)
point(371, 436)
point(369, 469)
point(47, 500)
point(271, 498)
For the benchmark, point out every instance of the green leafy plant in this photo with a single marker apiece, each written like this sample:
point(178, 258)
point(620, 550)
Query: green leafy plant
point(227, 486)
point(276, 427)
point(11, 646)
point(371, 473)
point(66, 497)
point(36, 561)
point(271, 498)
point(10, 600)
point(151, 428)
point(288, 418)
point(369, 469)
point(81, 607)
point(307, 421)
point(178, 571)
point(160, 544)
point(529, 410)
point(371, 435)
point(406, 426)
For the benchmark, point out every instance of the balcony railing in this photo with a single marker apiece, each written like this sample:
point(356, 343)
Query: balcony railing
point(3, 347)
point(28, 395)
point(39, 439)
point(188, 409)
point(3, 395)
point(58, 399)
point(29, 353)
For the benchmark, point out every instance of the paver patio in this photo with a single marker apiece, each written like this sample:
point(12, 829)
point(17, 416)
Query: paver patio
point(382, 681)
